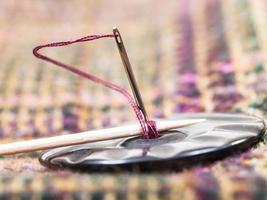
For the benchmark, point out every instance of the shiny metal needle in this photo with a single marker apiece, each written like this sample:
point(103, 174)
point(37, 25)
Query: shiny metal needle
point(129, 72)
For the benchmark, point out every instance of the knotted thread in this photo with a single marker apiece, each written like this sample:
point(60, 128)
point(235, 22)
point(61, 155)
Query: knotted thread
point(148, 127)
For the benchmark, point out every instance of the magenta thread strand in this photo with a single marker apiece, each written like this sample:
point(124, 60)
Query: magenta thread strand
point(148, 127)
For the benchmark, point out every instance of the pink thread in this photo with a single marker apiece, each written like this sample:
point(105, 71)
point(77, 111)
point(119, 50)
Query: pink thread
point(148, 126)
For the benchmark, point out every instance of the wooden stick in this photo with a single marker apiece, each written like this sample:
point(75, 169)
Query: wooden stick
point(89, 136)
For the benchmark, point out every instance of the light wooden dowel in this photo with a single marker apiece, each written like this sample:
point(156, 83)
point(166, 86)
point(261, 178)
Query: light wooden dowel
point(88, 136)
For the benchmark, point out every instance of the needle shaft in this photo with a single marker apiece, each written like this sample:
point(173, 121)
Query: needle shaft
point(129, 72)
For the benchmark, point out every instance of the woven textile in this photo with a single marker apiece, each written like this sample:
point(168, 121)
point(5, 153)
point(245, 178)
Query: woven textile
point(188, 56)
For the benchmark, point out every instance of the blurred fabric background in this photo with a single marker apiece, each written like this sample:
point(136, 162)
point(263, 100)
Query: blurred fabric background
point(188, 56)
